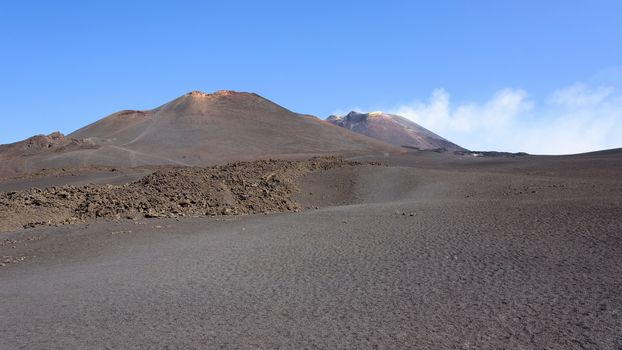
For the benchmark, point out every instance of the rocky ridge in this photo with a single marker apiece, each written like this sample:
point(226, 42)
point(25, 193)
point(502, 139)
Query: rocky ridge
point(238, 188)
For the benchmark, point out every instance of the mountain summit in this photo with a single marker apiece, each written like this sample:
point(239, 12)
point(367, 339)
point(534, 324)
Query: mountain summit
point(393, 129)
point(196, 128)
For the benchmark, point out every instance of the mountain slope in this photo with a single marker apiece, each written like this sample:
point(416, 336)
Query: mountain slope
point(393, 129)
point(194, 129)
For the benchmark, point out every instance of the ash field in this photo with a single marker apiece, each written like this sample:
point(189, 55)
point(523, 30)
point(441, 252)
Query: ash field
point(226, 221)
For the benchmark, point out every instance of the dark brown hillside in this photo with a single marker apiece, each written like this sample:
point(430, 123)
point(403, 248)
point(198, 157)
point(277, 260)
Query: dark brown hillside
point(195, 129)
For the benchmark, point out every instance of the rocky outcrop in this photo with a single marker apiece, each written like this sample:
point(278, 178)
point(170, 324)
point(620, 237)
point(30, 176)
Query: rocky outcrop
point(237, 188)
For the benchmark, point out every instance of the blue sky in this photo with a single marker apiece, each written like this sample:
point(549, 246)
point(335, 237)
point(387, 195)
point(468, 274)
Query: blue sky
point(502, 75)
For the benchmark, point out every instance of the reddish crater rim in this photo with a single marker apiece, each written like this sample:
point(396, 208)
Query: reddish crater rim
point(215, 93)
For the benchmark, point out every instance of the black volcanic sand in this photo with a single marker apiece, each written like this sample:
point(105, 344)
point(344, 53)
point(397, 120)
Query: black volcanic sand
point(431, 252)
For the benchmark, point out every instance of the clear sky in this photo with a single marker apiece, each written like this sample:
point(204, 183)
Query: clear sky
point(539, 76)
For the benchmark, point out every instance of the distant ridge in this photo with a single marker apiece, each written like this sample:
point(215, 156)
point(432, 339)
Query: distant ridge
point(393, 129)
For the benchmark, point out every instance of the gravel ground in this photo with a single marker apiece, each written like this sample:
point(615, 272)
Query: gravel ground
point(409, 256)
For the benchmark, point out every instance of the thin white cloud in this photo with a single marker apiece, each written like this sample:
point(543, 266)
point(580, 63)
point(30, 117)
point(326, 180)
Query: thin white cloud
point(438, 114)
point(575, 119)
point(580, 95)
